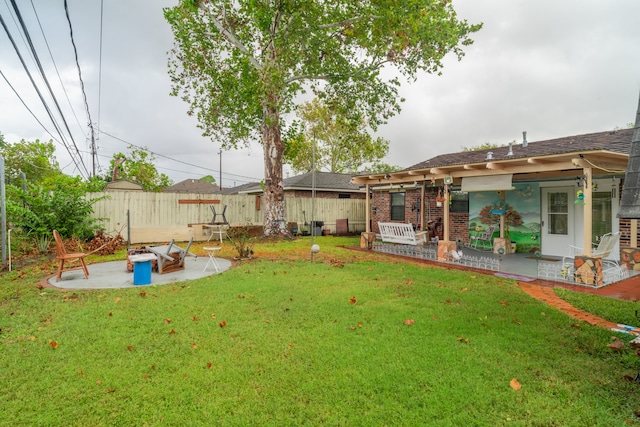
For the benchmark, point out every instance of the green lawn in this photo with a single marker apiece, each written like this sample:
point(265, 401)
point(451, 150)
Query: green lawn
point(282, 341)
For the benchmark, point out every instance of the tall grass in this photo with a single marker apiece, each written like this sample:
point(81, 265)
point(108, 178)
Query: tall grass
point(351, 339)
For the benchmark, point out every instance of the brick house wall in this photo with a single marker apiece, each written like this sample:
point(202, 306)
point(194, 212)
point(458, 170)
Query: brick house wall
point(381, 212)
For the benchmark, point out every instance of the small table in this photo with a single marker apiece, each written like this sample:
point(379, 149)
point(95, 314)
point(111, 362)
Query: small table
point(219, 230)
point(142, 268)
point(211, 251)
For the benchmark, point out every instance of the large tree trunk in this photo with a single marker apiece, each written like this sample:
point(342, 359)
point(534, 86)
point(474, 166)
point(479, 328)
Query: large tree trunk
point(275, 221)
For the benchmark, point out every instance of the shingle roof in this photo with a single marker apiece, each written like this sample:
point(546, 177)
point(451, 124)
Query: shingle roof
point(324, 181)
point(197, 186)
point(615, 141)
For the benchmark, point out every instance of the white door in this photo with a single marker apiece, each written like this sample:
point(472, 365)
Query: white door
point(557, 221)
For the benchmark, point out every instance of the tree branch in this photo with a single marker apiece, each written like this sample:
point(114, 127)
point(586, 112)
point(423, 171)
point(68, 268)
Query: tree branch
point(227, 33)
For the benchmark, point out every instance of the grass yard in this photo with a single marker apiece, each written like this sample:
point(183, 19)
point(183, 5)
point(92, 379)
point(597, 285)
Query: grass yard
point(354, 338)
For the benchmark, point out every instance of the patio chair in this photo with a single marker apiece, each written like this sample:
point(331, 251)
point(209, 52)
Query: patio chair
point(63, 256)
point(171, 257)
point(604, 248)
point(484, 239)
point(612, 271)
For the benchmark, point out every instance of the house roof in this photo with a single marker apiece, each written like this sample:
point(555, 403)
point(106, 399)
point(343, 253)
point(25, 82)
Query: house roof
point(239, 188)
point(324, 181)
point(192, 186)
point(603, 152)
point(123, 185)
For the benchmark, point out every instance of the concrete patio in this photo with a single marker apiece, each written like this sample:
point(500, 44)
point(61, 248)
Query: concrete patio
point(114, 274)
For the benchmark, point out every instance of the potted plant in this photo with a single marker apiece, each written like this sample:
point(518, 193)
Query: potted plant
point(440, 199)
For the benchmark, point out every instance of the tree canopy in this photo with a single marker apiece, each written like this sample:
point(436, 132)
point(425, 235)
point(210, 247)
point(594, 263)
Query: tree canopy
point(35, 159)
point(341, 145)
point(138, 166)
point(242, 65)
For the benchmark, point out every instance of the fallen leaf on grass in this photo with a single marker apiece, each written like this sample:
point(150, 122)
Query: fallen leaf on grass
point(516, 321)
point(409, 322)
point(352, 300)
point(209, 365)
point(129, 348)
point(464, 289)
point(99, 382)
point(576, 325)
point(409, 282)
point(110, 314)
point(118, 299)
point(504, 303)
point(171, 332)
point(194, 345)
point(359, 324)
point(213, 315)
point(435, 317)
point(53, 344)
point(515, 384)
point(143, 294)
point(167, 320)
point(464, 340)
point(111, 390)
point(80, 372)
point(195, 318)
point(222, 324)
point(616, 345)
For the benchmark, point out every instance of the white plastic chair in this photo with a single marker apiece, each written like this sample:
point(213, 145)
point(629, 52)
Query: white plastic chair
point(611, 268)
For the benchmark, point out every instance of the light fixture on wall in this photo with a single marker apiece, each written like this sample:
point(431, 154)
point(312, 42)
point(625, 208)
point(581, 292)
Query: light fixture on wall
point(582, 180)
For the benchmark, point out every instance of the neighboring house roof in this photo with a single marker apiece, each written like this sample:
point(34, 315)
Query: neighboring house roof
point(196, 186)
point(324, 181)
point(603, 151)
point(123, 185)
point(239, 188)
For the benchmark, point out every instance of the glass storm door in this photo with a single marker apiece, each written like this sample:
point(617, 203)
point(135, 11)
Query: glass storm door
point(557, 231)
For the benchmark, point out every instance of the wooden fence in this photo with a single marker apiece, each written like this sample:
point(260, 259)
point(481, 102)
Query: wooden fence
point(157, 217)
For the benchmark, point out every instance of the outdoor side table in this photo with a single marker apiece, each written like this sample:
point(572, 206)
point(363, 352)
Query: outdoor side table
point(211, 251)
point(142, 268)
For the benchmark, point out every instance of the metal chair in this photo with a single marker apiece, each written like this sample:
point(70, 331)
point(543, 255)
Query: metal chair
point(484, 239)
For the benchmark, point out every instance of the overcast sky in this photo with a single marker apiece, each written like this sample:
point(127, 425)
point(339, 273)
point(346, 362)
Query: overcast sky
point(553, 68)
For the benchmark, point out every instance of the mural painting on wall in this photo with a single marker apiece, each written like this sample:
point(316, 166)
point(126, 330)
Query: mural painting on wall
point(521, 208)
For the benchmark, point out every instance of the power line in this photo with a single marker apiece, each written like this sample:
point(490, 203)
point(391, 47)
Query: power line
point(172, 159)
point(84, 93)
point(26, 106)
point(55, 66)
point(44, 103)
point(46, 81)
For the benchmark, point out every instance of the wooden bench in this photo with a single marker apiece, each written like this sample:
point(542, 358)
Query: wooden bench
point(398, 232)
